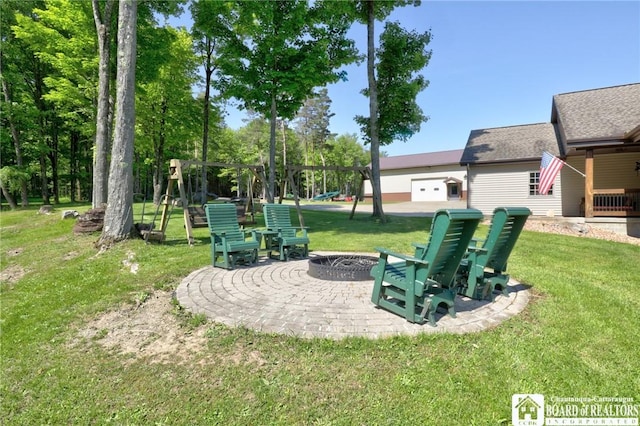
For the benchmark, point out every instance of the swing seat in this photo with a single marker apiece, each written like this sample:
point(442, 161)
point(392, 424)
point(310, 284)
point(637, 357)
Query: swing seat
point(197, 217)
point(230, 243)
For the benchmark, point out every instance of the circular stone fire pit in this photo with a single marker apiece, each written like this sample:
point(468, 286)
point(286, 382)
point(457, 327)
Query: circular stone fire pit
point(342, 267)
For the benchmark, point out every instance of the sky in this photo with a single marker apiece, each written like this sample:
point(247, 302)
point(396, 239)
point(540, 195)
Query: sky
point(496, 64)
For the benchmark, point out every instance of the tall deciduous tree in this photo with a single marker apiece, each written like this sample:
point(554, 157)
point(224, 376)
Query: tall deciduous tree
point(62, 34)
point(313, 121)
point(14, 58)
point(166, 110)
point(102, 19)
point(118, 218)
point(402, 54)
point(274, 53)
point(205, 46)
point(345, 151)
point(367, 12)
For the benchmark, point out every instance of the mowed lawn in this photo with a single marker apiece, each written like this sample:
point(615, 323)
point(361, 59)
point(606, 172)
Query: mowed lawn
point(578, 337)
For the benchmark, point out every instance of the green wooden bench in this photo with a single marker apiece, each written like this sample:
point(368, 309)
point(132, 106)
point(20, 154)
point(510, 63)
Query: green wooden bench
point(483, 267)
point(281, 236)
point(417, 285)
point(228, 241)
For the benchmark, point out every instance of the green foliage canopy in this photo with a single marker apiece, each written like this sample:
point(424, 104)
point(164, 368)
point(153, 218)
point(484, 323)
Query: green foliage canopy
point(401, 56)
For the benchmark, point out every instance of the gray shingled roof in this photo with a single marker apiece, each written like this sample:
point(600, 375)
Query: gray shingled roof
point(606, 113)
point(591, 115)
point(502, 144)
point(421, 160)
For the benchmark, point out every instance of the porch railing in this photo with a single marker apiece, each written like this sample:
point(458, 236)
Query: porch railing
point(616, 202)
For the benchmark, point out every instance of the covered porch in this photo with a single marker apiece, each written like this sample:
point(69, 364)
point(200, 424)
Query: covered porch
point(612, 188)
point(613, 202)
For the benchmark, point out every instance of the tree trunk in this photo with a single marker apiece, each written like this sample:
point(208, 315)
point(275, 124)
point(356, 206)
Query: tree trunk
point(158, 149)
point(38, 92)
point(284, 158)
point(100, 159)
point(7, 196)
point(118, 218)
point(272, 152)
point(306, 163)
point(207, 111)
point(16, 144)
point(44, 190)
point(53, 159)
point(324, 173)
point(74, 171)
point(373, 114)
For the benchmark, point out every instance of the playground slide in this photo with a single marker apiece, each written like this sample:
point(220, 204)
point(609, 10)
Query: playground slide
point(326, 196)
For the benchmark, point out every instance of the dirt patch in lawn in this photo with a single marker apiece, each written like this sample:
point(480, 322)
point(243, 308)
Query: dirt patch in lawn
point(147, 330)
point(12, 274)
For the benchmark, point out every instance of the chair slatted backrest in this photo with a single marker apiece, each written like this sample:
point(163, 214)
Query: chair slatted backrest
point(222, 218)
point(277, 217)
point(506, 226)
point(450, 235)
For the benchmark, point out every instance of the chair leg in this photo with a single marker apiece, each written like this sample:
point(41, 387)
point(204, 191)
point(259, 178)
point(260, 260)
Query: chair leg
point(431, 315)
point(487, 292)
point(442, 296)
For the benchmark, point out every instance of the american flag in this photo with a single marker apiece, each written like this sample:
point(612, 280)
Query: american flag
point(549, 168)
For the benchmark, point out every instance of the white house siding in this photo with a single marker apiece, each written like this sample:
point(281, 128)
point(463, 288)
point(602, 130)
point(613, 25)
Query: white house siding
point(572, 186)
point(495, 185)
point(397, 184)
point(610, 171)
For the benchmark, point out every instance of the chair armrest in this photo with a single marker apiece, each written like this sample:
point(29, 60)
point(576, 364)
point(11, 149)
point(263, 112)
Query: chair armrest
point(474, 249)
point(295, 229)
point(475, 241)
point(401, 256)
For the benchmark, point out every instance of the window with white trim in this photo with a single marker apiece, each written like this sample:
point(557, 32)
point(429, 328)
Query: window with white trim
point(534, 181)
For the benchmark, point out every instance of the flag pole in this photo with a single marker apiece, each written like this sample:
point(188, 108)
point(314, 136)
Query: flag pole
point(569, 166)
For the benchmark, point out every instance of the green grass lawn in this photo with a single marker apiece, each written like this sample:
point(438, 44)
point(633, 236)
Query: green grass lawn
point(579, 337)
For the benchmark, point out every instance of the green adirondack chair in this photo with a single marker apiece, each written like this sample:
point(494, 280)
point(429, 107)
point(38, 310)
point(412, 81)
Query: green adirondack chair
point(483, 267)
point(229, 242)
point(281, 236)
point(416, 286)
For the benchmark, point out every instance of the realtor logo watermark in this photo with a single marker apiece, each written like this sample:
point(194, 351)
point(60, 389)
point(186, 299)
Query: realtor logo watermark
point(536, 410)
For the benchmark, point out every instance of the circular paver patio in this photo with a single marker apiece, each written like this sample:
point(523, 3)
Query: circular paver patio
point(280, 297)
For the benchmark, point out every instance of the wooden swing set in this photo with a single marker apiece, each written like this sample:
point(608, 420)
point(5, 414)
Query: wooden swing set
point(194, 216)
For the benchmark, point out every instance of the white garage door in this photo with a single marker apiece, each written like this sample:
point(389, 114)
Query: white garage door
point(428, 190)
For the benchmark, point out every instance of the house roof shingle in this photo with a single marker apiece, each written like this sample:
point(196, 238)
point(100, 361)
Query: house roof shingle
point(502, 144)
point(598, 114)
point(421, 160)
point(590, 116)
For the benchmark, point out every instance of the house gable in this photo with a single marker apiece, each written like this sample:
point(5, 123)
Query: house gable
point(607, 116)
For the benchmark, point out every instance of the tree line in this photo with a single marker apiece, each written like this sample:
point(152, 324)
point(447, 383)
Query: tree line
point(76, 75)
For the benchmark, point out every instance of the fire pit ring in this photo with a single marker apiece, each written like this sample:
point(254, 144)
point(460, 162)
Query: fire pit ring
point(342, 267)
